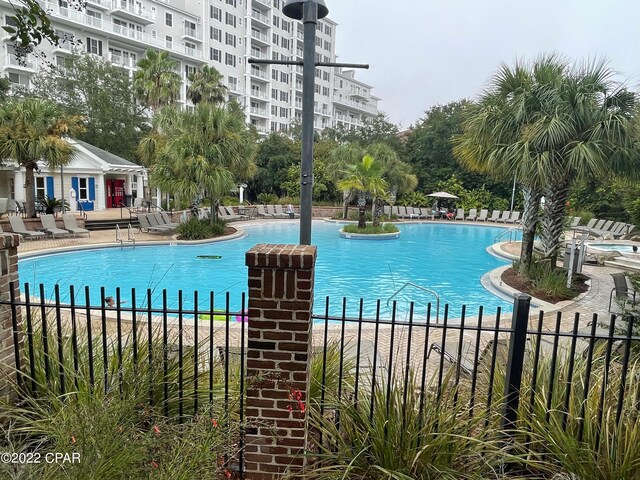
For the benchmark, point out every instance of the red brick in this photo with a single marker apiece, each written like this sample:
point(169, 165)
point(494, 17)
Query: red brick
point(261, 364)
point(303, 285)
point(275, 355)
point(261, 303)
point(293, 347)
point(277, 335)
point(293, 366)
point(261, 324)
point(303, 295)
point(274, 451)
point(278, 284)
point(259, 402)
point(277, 314)
point(296, 461)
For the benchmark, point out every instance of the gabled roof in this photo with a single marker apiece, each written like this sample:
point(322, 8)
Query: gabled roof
point(105, 156)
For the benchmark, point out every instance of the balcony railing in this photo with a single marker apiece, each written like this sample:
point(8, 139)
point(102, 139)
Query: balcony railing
point(260, 36)
point(192, 32)
point(259, 94)
point(259, 74)
point(233, 87)
point(106, 4)
point(258, 54)
point(133, 9)
point(258, 111)
point(122, 61)
point(264, 2)
point(26, 62)
point(260, 17)
point(54, 10)
point(352, 104)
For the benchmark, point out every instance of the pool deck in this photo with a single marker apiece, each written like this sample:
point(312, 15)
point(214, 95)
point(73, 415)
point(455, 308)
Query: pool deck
point(596, 300)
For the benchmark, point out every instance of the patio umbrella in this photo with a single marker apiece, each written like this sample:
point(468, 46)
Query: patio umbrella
point(441, 195)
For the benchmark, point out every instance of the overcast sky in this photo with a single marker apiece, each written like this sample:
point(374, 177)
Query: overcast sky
point(428, 52)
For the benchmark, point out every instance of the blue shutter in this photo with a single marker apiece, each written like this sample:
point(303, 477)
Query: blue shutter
point(50, 192)
point(75, 185)
point(92, 188)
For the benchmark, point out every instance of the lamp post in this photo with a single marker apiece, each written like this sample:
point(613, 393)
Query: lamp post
point(309, 11)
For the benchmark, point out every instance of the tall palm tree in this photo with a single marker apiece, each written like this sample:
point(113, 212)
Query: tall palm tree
point(548, 124)
point(365, 178)
point(32, 130)
point(341, 159)
point(156, 82)
point(398, 175)
point(206, 86)
point(204, 153)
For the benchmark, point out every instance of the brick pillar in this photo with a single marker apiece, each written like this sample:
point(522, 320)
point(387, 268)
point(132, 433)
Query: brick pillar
point(8, 273)
point(280, 304)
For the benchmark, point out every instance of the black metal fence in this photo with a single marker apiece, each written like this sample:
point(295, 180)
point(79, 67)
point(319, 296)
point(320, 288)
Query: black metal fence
point(183, 360)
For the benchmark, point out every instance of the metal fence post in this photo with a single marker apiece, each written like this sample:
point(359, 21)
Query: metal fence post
point(515, 360)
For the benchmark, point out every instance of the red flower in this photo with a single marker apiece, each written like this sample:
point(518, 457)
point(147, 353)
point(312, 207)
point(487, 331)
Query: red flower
point(156, 429)
point(214, 422)
point(290, 408)
point(154, 464)
point(73, 439)
point(227, 473)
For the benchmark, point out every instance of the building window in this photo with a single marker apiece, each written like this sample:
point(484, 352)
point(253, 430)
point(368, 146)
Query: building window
point(325, 91)
point(284, 96)
point(276, 21)
point(325, 76)
point(284, 43)
point(215, 13)
point(274, 74)
point(94, 46)
point(230, 39)
point(230, 19)
point(286, 26)
point(215, 34)
point(189, 70)
point(230, 59)
point(284, 112)
point(215, 54)
point(232, 3)
point(168, 19)
point(327, 30)
point(284, 77)
point(168, 40)
point(233, 84)
point(274, 110)
point(41, 191)
point(83, 189)
point(274, 93)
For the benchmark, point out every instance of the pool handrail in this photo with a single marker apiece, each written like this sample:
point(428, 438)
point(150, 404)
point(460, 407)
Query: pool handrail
point(420, 287)
point(509, 231)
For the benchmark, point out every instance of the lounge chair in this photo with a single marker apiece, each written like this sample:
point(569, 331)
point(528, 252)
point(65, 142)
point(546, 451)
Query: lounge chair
point(138, 204)
point(71, 224)
point(386, 209)
point(280, 212)
point(4, 206)
point(49, 226)
point(573, 221)
point(17, 225)
point(514, 218)
point(395, 211)
point(167, 220)
point(586, 228)
point(421, 213)
point(145, 225)
point(263, 213)
point(505, 216)
point(224, 214)
point(622, 291)
point(473, 214)
point(483, 215)
point(495, 216)
point(272, 210)
point(401, 211)
point(460, 214)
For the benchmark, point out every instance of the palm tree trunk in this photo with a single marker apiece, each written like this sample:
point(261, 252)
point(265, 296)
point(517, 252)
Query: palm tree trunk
point(362, 203)
point(377, 212)
point(346, 198)
point(553, 217)
point(530, 218)
point(30, 193)
point(213, 218)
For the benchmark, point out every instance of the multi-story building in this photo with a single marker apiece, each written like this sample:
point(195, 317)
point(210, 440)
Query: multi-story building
point(221, 33)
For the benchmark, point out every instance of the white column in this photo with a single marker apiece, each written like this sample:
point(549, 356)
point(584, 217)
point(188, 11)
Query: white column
point(128, 190)
point(19, 185)
point(100, 202)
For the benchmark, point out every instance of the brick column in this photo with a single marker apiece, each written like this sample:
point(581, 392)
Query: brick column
point(8, 273)
point(280, 304)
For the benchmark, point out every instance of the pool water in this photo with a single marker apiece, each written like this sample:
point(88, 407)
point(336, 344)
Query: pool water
point(447, 258)
point(611, 247)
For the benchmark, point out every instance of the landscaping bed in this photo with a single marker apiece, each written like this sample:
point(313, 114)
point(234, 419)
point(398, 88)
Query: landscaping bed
point(526, 285)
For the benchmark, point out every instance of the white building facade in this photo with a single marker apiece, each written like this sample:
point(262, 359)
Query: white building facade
point(221, 33)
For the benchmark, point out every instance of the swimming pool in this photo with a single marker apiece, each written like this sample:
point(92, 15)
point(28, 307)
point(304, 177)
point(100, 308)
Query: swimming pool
point(447, 258)
point(611, 247)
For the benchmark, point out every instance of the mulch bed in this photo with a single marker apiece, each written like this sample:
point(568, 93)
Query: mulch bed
point(511, 278)
point(229, 231)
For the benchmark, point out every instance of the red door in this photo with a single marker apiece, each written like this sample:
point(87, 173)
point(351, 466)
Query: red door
point(115, 193)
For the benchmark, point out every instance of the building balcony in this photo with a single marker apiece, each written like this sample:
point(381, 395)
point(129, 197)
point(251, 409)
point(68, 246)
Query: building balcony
point(355, 105)
point(192, 34)
point(324, 113)
point(262, 3)
point(358, 95)
point(259, 55)
point(260, 19)
point(101, 4)
point(120, 61)
point(261, 112)
point(260, 38)
point(260, 95)
point(132, 12)
point(23, 64)
point(259, 74)
point(234, 88)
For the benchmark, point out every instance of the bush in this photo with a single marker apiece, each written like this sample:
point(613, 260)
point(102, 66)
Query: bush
point(370, 229)
point(197, 229)
point(229, 201)
point(268, 198)
point(547, 279)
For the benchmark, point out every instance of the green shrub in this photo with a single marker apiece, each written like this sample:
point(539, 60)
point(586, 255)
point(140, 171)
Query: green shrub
point(370, 229)
point(547, 279)
point(197, 229)
point(229, 201)
point(268, 198)
point(584, 215)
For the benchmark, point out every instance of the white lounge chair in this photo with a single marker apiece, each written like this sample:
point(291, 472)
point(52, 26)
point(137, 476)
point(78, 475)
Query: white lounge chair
point(483, 215)
point(49, 226)
point(505, 216)
point(280, 213)
point(17, 225)
point(71, 224)
point(145, 225)
point(495, 216)
point(272, 210)
point(473, 214)
point(262, 213)
point(514, 218)
point(460, 214)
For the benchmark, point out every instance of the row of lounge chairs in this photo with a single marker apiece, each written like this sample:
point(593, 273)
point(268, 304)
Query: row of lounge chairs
point(49, 227)
point(601, 228)
point(273, 211)
point(158, 222)
point(425, 213)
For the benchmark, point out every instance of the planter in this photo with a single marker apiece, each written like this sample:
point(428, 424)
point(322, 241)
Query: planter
point(369, 236)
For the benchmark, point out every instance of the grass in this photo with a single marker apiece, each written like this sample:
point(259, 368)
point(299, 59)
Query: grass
point(196, 229)
point(370, 229)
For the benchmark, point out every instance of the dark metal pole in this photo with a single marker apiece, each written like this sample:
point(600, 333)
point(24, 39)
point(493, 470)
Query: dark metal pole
point(310, 19)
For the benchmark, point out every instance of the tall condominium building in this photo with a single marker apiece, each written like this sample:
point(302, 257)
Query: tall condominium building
point(221, 33)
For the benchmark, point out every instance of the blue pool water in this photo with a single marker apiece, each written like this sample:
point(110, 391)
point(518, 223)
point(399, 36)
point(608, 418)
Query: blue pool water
point(611, 247)
point(446, 258)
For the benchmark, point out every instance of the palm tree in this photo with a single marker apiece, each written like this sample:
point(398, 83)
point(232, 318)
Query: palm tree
point(156, 82)
point(365, 178)
point(206, 86)
point(548, 125)
point(32, 130)
point(204, 153)
point(396, 173)
point(341, 159)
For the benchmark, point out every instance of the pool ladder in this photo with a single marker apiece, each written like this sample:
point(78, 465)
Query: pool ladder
point(130, 236)
point(511, 231)
point(419, 287)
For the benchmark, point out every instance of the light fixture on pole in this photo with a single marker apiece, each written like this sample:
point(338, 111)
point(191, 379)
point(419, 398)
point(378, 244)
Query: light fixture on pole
point(309, 11)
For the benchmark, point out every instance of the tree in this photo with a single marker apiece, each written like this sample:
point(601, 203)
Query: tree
point(365, 178)
point(202, 154)
point(206, 86)
point(33, 130)
point(102, 94)
point(375, 130)
point(548, 125)
point(276, 154)
point(156, 82)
